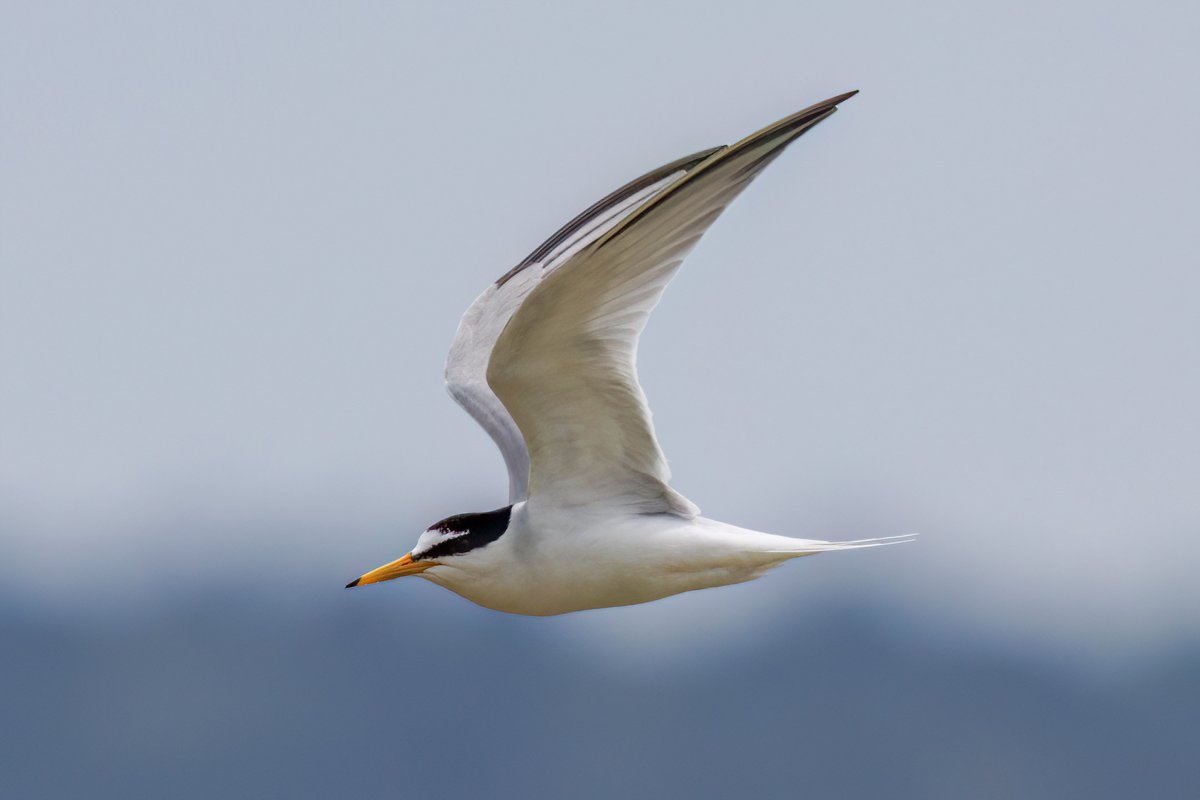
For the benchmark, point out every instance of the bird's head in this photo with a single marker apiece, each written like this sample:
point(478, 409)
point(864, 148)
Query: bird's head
point(443, 542)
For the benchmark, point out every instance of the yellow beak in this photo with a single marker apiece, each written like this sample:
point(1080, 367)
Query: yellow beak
point(397, 569)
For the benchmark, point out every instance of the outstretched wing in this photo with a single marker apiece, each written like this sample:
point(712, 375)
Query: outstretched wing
point(466, 366)
point(564, 365)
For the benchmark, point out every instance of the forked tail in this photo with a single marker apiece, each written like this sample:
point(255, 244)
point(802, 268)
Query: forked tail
point(806, 547)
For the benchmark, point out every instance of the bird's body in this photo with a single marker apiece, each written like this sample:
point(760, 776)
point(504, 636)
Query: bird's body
point(545, 360)
point(553, 562)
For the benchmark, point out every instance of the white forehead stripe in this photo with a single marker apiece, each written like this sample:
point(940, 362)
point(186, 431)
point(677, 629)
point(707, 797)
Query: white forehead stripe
point(431, 537)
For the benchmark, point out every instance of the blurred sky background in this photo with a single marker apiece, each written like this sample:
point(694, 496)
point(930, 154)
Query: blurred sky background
point(236, 239)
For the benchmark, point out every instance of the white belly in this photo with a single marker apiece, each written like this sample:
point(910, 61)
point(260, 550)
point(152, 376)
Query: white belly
point(553, 565)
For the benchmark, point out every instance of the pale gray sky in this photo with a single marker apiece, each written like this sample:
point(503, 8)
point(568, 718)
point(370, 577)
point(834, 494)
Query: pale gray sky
point(235, 241)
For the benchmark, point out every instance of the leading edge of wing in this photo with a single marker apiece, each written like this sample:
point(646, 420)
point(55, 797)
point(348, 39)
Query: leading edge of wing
point(608, 201)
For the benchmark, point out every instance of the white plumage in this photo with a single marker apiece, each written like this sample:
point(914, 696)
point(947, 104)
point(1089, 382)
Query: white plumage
point(545, 361)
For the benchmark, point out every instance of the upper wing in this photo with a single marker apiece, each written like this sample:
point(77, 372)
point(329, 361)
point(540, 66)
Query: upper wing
point(564, 365)
point(466, 366)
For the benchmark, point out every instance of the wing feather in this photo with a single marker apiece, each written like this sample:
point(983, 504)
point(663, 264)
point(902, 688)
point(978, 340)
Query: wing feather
point(564, 365)
point(466, 365)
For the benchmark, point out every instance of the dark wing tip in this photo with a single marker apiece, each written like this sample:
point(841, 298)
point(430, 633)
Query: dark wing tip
point(353, 583)
point(799, 121)
point(772, 139)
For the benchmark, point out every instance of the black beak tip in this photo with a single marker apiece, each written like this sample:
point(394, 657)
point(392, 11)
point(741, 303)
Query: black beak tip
point(353, 583)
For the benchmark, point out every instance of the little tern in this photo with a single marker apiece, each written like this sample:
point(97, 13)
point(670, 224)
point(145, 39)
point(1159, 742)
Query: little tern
point(545, 361)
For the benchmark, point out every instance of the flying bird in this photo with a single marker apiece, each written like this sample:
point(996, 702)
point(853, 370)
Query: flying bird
point(544, 360)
